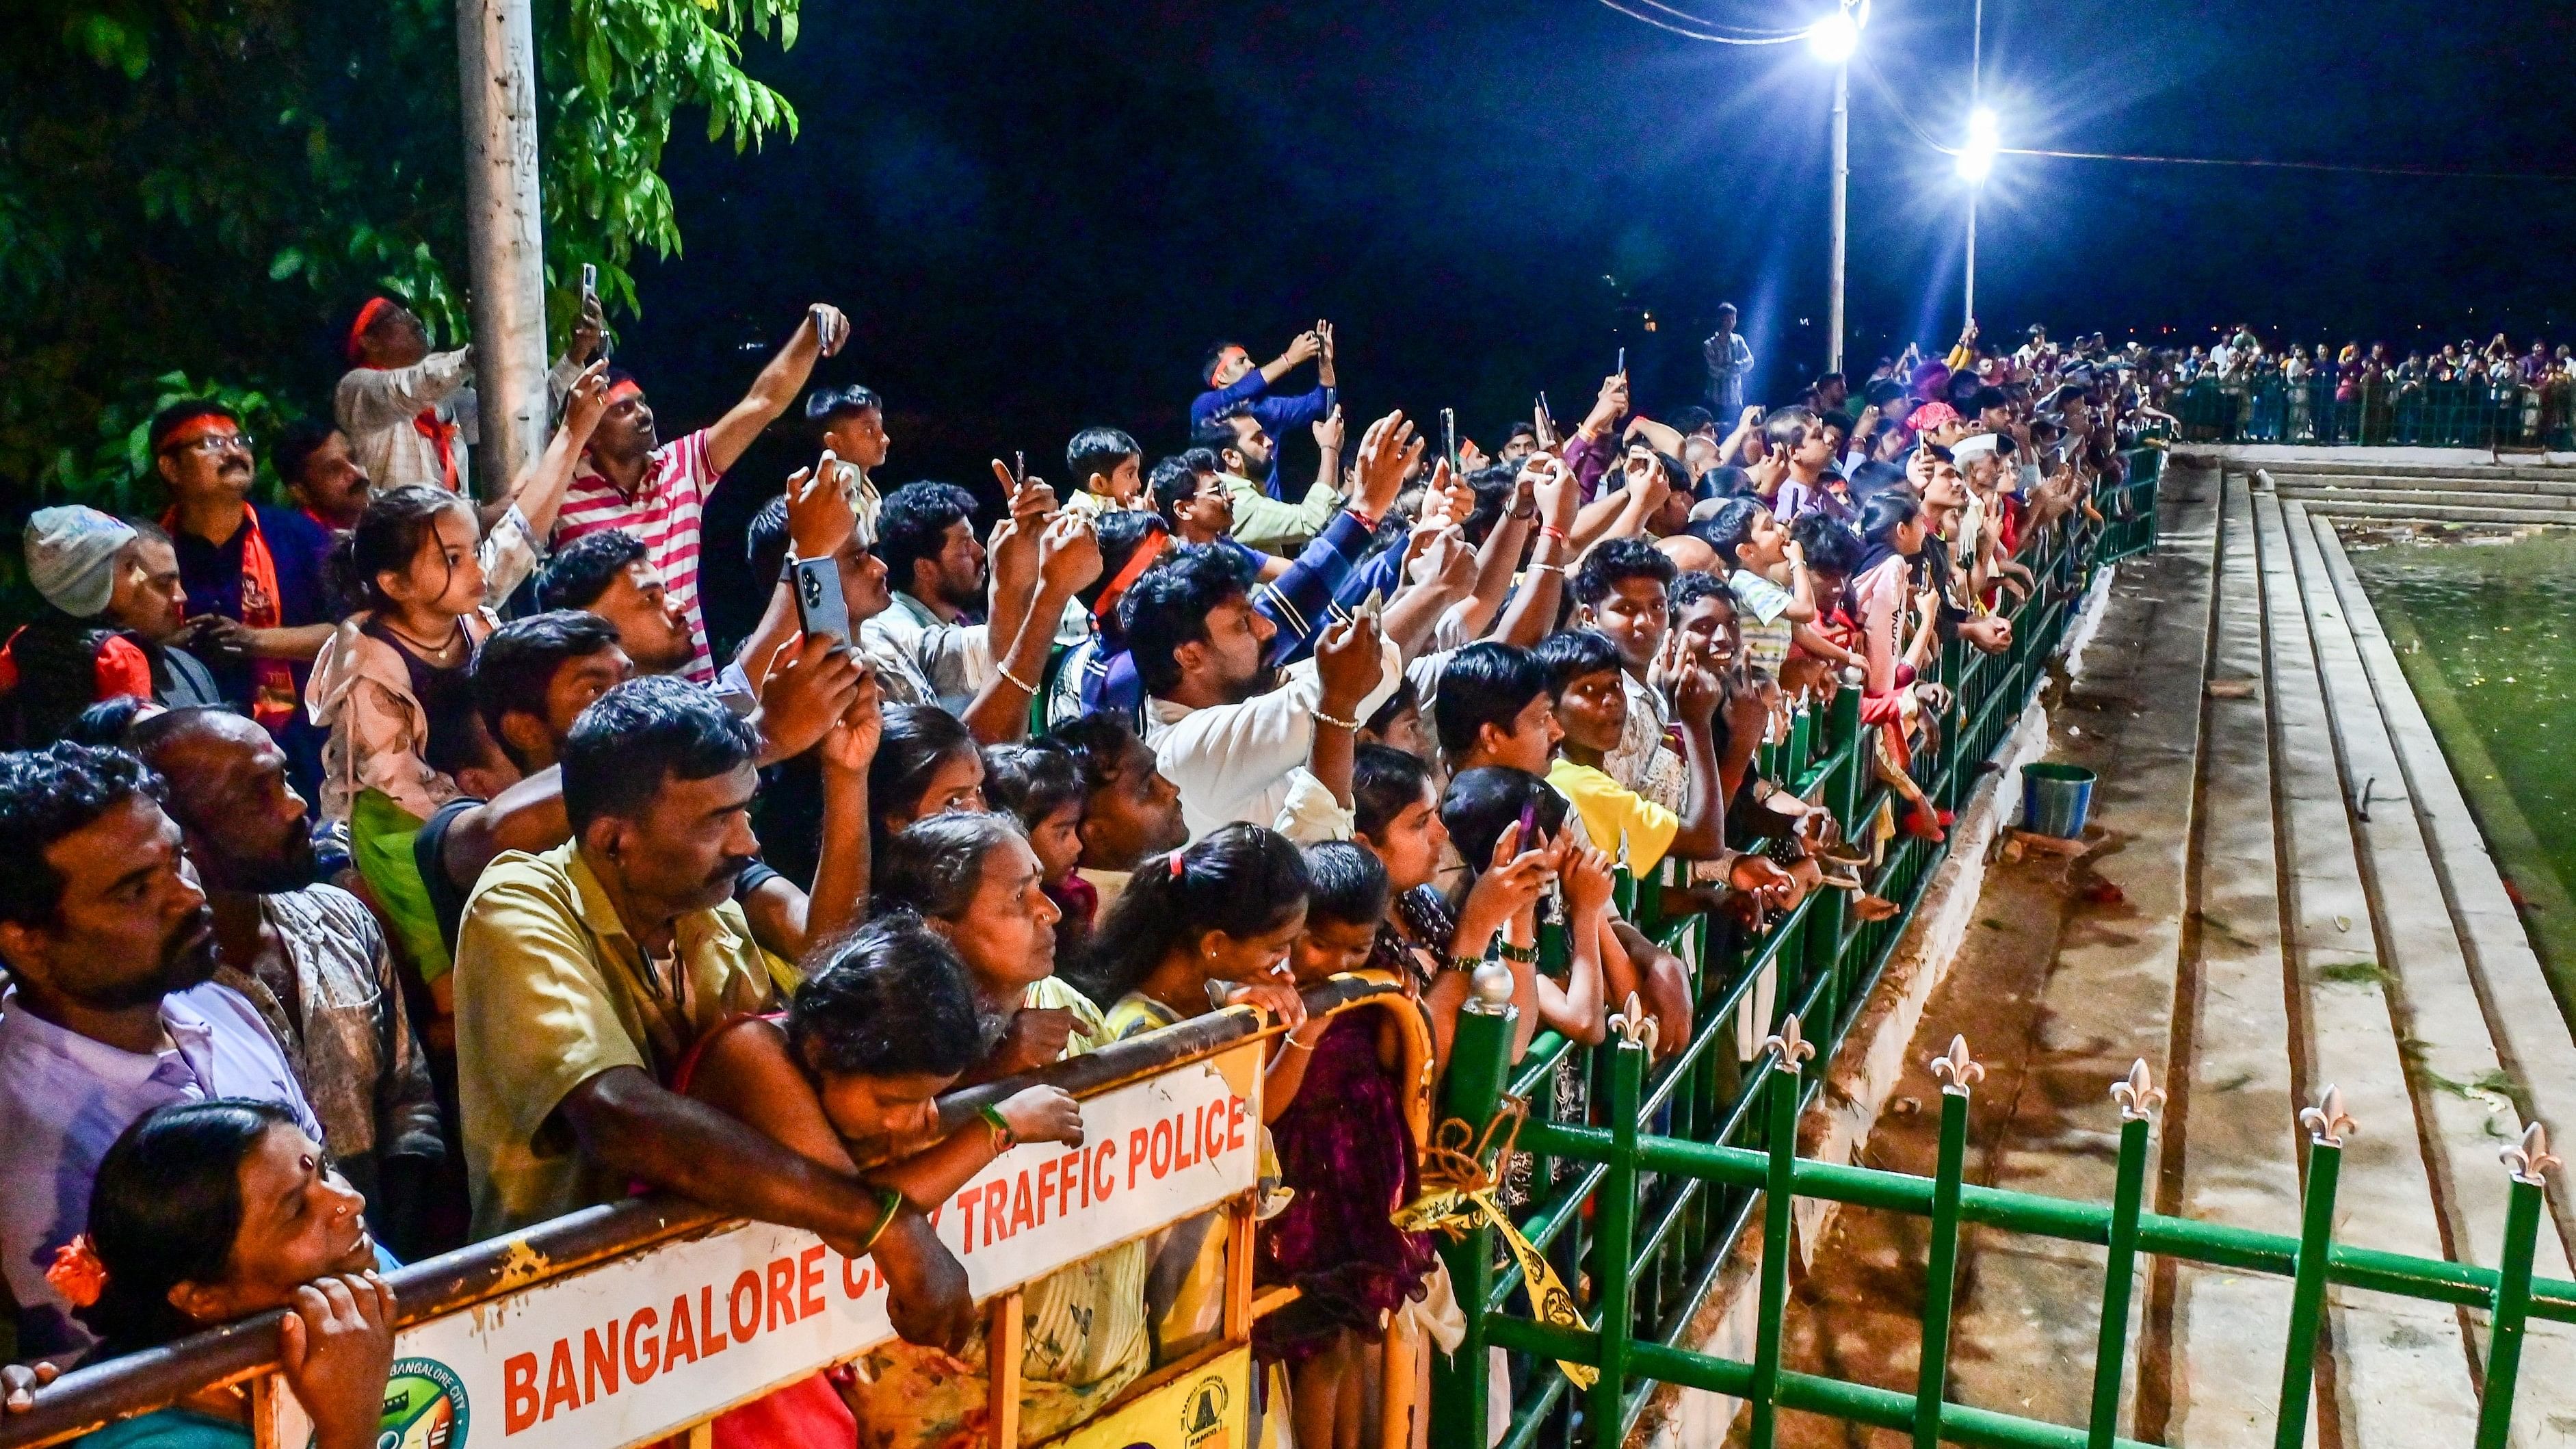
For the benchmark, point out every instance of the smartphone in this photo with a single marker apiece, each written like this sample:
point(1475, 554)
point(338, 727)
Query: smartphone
point(1370, 606)
point(590, 299)
point(1449, 436)
point(1019, 468)
point(1527, 839)
point(1622, 368)
point(828, 332)
point(820, 608)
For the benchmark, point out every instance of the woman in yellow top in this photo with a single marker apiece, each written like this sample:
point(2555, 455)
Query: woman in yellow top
point(1202, 928)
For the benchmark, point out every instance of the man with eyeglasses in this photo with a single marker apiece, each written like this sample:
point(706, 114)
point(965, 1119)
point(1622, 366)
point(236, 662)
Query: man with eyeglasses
point(257, 611)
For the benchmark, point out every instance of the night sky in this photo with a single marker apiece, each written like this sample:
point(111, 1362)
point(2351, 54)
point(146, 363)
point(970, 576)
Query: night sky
point(1039, 215)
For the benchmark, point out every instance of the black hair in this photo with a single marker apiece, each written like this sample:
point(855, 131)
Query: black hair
point(1840, 421)
point(518, 663)
point(828, 403)
point(913, 524)
point(1728, 529)
point(933, 866)
point(1032, 781)
point(1829, 543)
point(641, 734)
point(1690, 419)
point(1483, 802)
point(1570, 654)
point(170, 419)
point(104, 724)
point(1099, 744)
point(1215, 353)
point(1486, 683)
point(1988, 397)
point(1788, 427)
point(1241, 880)
point(47, 794)
point(1096, 450)
point(1169, 604)
point(1698, 584)
point(914, 742)
point(765, 541)
point(1385, 782)
point(1217, 434)
point(1175, 481)
point(1495, 487)
point(396, 525)
point(1886, 512)
point(583, 569)
point(1618, 560)
point(891, 999)
point(164, 1210)
point(57, 660)
point(1523, 428)
point(1345, 883)
point(296, 444)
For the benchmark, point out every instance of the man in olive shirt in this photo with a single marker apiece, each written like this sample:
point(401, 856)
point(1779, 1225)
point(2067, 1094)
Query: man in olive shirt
point(585, 973)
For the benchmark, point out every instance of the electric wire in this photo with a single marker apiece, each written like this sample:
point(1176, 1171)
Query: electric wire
point(1711, 36)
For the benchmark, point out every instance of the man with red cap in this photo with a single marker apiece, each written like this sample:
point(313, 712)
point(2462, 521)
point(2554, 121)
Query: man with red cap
point(409, 412)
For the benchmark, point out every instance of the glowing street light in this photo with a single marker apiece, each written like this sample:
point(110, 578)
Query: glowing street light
point(1977, 158)
point(1834, 37)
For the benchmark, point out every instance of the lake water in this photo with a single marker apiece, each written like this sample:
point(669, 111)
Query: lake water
point(2484, 624)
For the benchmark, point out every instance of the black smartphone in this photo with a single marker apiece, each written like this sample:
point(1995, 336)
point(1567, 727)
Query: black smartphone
point(820, 607)
point(1449, 437)
point(590, 299)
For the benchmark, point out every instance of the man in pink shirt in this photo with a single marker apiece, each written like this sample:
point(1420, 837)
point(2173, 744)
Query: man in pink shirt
point(657, 491)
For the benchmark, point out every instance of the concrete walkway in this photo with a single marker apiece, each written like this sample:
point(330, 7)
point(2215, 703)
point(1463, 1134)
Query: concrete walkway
point(2254, 926)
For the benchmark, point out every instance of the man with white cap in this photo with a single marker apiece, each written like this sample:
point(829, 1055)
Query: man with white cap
point(115, 601)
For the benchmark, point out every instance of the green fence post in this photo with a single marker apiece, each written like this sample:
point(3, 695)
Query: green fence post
point(1957, 1072)
point(2325, 1123)
point(1479, 1060)
point(2138, 1096)
point(2526, 1161)
point(1614, 1228)
point(1786, 1049)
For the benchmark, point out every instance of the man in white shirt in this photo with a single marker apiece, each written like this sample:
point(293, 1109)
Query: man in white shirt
point(1242, 739)
point(410, 413)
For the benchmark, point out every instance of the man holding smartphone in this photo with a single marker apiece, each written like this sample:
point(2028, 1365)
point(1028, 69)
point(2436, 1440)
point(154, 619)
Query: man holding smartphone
point(409, 412)
point(1729, 360)
point(1232, 380)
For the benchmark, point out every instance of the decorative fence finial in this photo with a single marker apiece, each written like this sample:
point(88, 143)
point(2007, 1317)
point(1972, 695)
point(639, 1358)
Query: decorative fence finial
point(2327, 1121)
point(2530, 1157)
point(2137, 1093)
point(1957, 1070)
point(1634, 1026)
point(1792, 1047)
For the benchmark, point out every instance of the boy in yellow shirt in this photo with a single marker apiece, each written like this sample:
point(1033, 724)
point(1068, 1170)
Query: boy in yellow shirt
point(1586, 679)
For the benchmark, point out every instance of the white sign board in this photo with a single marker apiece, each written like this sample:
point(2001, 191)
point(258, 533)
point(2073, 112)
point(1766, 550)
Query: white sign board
point(639, 1347)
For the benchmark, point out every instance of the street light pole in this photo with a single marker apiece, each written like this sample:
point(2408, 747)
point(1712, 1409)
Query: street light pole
point(1976, 99)
point(1842, 179)
point(496, 67)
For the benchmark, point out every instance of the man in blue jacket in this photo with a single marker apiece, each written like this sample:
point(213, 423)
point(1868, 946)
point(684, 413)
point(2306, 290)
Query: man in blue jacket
point(1231, 378)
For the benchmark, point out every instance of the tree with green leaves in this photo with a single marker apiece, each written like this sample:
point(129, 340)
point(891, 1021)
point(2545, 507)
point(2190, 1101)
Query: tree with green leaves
point(195, 195)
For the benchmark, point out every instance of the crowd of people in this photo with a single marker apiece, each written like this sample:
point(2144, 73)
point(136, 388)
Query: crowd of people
point(401, 868)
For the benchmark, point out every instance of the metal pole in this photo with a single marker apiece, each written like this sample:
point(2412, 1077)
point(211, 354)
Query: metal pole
point(1976, 97)
point(1973, 189)
point(1842, 178)
point(497, 76)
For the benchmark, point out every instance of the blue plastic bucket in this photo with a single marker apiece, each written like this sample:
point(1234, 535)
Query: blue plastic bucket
point(2055, 799)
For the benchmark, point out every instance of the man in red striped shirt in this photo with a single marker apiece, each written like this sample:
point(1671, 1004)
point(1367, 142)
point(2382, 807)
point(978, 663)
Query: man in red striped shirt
point(657, 491)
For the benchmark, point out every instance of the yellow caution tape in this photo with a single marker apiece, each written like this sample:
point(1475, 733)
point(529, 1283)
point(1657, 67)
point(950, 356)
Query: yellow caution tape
point(1458, 1197)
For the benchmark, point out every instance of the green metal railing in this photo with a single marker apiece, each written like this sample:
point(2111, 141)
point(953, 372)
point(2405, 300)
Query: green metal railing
point(2380, 412)
point(1631, 1356)
point(1640, 1183)
point(1816, 965)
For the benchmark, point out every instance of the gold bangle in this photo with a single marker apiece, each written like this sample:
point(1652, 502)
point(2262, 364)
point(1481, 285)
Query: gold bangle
point(1340, 724)
point(1004, 670)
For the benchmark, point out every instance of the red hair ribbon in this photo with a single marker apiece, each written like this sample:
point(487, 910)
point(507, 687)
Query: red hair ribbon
point(1148, 549)
point(1180, 867)
point(76, 1273)
point(367, 315)
point(623, 388)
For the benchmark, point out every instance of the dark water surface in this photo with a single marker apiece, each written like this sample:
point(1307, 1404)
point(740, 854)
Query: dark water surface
point(2485, 625)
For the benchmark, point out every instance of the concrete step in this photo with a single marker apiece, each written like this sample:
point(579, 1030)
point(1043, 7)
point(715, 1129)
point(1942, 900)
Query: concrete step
point(2392, 508)
point(2559, 485)
point(2311, 491)
point(2385, 468)
point(2455, 1070)
point(2400, 1367)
